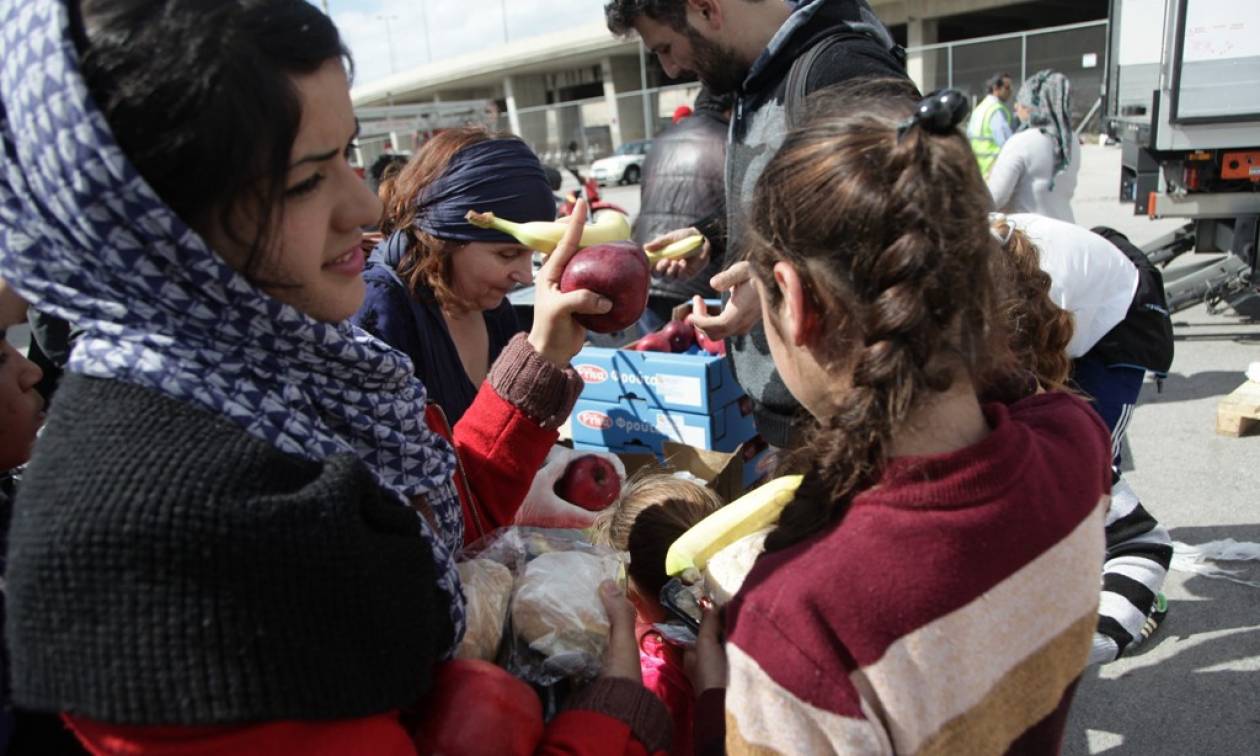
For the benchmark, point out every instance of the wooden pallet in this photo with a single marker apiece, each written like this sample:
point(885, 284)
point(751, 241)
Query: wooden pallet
point(1239, 413)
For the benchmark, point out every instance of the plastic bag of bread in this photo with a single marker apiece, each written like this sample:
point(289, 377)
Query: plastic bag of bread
point(487, 594)
point(557, 613)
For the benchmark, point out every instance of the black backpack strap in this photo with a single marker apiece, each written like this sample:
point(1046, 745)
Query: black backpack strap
point(798, 78)
point(1145, 337)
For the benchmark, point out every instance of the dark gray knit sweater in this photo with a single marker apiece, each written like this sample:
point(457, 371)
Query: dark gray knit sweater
point(167, 568)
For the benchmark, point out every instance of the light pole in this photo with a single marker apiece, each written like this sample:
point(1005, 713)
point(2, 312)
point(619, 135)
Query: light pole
point(389, 40)
point(428, 37)
point(503, 14)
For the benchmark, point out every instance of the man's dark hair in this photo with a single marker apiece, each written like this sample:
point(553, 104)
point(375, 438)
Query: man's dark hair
point(995, 81)
point(199, 95)
point(621, 14)
point(383, 167)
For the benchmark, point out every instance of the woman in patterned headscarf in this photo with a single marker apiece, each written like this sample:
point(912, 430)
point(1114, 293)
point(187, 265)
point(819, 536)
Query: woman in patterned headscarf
point(1037, 169)
point(236, 533)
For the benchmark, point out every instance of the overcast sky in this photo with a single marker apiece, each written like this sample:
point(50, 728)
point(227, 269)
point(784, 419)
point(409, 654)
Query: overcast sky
point(371, 27)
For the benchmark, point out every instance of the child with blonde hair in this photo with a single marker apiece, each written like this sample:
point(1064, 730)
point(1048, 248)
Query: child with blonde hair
point(653, 511)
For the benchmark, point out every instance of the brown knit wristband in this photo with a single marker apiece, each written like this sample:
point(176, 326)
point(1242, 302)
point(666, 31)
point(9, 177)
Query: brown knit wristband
point(540, 389)
point(633, 704)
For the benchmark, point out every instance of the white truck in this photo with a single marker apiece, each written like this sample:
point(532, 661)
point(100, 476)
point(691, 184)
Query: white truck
point(1183, 98)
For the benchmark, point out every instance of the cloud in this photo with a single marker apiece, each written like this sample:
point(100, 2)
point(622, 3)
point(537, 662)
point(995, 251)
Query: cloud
point(371, 28)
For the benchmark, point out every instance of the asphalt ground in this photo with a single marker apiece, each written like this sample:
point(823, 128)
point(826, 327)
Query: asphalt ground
point(1194, 687)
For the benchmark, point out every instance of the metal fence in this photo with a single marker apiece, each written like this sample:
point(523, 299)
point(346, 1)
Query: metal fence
point(1078, 51)
point(641, 114)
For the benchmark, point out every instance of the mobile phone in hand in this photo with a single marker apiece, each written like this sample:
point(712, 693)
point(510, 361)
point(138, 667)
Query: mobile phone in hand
point(682, 601)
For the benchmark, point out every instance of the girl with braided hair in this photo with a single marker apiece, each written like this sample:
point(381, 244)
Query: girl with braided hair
point(899, 607)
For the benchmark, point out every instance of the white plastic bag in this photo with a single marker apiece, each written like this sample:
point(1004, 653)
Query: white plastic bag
point(543, 508)
point(557, 611)
point(487, 593)
point(1187, 558)
point(557, 627)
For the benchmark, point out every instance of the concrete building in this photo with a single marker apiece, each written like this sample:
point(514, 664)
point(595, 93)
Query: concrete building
point(585, 86)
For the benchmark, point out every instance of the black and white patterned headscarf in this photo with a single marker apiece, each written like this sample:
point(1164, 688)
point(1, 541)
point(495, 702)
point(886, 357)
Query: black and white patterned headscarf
point(1048, 95)
point(84, 237)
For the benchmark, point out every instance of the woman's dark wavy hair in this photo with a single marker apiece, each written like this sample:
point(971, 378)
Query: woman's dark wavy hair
point(1039, 329)
point(891, 237)
point(199, 96)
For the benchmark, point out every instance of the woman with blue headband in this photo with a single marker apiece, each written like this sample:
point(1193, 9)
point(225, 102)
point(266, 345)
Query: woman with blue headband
point(437, 286)
point(236, 531)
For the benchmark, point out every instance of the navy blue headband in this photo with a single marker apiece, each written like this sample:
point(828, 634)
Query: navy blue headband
point(502, 176)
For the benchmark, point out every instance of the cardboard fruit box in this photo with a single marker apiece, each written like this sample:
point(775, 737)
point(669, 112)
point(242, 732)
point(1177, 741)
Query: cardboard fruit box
point(730, 475)
point(692, 381)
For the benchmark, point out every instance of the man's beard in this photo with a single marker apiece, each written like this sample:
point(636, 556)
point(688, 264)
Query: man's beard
point(717, 67)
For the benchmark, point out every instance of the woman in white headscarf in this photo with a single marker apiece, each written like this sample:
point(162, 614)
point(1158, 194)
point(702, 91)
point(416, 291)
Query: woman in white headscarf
point(1036, 171)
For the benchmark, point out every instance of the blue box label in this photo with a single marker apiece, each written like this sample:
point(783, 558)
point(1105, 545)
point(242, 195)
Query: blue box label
point(634, 421)
point(694, 382)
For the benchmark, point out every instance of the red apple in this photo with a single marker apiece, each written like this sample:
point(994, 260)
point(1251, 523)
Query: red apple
point(653, 342)
point(478, 709)
point(715, 347)
point(618, 271)
point(681, 335)
point(590, 481)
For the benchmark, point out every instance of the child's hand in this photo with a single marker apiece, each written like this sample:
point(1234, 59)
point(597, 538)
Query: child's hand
point(622, 657)
point(706, 663)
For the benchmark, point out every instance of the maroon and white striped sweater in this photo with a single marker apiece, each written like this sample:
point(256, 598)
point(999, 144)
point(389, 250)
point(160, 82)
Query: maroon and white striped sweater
point(951, 610)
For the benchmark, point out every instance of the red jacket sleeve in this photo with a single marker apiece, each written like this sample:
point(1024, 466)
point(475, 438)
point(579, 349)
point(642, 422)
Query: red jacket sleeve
point(587, 733)
point(500, 448)
point(505, 434)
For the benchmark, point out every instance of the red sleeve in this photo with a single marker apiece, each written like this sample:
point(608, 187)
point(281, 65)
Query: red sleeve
point(500, 448)
point(587, 733)
point(380, 734)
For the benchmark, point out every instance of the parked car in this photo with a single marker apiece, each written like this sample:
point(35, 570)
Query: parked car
point(624, 166)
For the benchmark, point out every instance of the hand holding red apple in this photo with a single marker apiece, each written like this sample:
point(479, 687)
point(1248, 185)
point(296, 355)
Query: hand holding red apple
point(556, 334)
point(545, 506)
point(618, 271)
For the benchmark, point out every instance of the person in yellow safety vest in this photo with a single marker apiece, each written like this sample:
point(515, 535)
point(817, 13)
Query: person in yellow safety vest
point(990, 124)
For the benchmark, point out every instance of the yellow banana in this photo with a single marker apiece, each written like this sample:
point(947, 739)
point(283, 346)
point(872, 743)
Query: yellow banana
point(754, 511)
point(677, 250)
point(545, 236)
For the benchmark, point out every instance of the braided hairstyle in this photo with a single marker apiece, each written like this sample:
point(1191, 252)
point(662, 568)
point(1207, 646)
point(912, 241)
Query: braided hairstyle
point(885, 218)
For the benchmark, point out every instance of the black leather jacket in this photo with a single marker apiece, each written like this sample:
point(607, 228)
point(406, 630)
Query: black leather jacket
point(682, 185)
